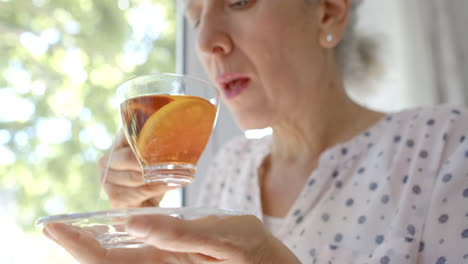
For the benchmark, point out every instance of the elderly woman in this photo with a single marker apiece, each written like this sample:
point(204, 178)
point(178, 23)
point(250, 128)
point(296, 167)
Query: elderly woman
point(336, 183)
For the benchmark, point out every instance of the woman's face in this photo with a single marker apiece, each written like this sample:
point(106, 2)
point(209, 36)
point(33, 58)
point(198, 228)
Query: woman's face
point(264, 55)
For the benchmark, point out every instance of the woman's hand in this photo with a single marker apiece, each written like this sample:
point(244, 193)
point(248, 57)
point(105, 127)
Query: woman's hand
point(214, 239)
point(122, 181)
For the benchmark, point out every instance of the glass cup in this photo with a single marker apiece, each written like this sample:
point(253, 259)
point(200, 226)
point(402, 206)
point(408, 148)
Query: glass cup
point(168, 120)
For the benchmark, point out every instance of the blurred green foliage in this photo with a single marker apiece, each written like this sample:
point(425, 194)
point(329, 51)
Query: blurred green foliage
point(60, 63)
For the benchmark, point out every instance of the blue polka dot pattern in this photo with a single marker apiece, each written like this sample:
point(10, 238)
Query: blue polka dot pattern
point(379, 239)
point(362, 219)
point(447, 177)
point(395, 193)
point(441, 260)
point(385, 260)
point(443, 218)
point(464, 234)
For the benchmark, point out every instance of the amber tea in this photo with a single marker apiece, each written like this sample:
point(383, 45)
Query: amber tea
point(168, 133)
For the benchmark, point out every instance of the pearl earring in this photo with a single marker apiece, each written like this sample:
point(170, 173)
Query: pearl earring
point(329, 37)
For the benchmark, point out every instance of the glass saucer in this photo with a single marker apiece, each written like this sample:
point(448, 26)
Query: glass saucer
point(108, 227)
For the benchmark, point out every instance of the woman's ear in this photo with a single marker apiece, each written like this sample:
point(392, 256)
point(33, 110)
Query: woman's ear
point(333, 20)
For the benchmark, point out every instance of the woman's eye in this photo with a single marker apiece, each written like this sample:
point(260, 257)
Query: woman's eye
point(240, 4)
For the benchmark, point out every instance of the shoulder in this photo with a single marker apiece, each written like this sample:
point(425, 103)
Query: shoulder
point(443, 125)
point(429, 135)
point(450, 190)
point(440, 116)
point(450, 122)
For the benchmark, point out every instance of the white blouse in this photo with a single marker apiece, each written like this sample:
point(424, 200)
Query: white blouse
point(273, 223)
point(397, 193)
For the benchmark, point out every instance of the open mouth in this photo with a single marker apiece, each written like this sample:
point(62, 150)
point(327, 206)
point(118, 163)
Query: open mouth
point(234, 85)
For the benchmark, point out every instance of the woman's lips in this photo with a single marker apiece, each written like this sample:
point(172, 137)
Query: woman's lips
point(233, 84)
point(234, 88)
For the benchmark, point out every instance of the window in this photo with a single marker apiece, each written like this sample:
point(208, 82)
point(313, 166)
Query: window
point(61, 62)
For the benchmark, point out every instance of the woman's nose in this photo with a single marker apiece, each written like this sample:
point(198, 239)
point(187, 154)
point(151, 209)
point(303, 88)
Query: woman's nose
point(213, 37)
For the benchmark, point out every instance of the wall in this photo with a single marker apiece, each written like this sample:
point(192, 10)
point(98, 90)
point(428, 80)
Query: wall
point(404, 54)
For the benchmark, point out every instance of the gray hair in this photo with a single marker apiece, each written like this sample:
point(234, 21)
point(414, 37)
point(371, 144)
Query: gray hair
point(357, 53)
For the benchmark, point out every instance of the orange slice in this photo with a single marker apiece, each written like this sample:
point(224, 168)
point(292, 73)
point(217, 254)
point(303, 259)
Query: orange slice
point(178, 132)
point(139, 109)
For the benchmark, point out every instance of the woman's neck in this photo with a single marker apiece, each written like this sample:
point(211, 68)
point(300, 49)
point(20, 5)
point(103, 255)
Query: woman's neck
point(305, 133)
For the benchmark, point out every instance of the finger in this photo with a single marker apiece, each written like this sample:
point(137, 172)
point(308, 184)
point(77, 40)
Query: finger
point(46, 233)
point(120, 159)
point(152, 202)
point(124, 178)
point(121, 140)
point(81, 246)
point(124, 197)
point(200, 258)
point(178, 235)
